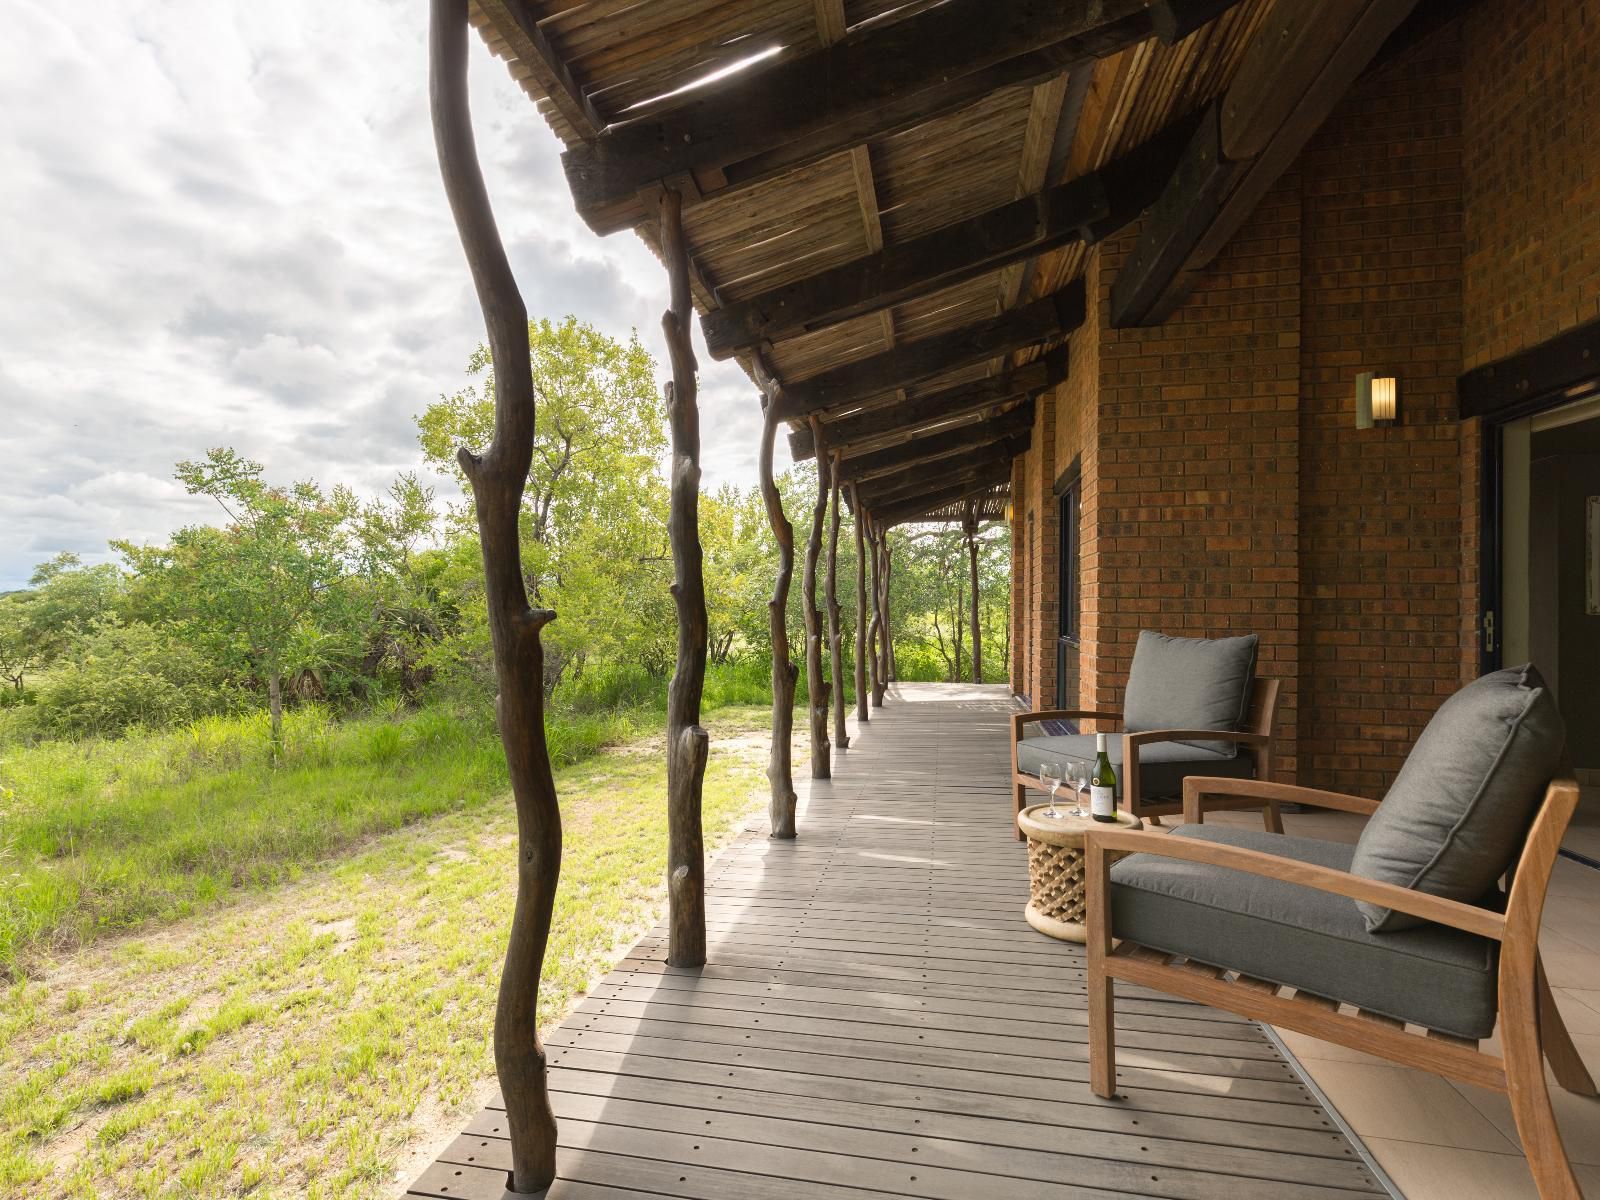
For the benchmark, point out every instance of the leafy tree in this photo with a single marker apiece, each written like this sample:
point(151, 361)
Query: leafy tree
point(267, 595)
point(68, 600)
point(20, 652)
point(594, 518)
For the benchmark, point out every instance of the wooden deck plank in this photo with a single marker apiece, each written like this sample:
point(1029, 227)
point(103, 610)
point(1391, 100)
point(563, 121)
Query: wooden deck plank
point(877, 1020)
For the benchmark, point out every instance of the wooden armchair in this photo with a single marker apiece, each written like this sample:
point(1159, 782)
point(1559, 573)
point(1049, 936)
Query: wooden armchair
point(1151, 798)
point(1530, 1028)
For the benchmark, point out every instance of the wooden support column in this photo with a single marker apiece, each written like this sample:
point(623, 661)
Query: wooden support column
point(816, 685)
point(863, 704)
point(687, 742)
point(780, 775)
point(970, 528)
point(890, 674)
point(497, 478)
point(841, 738)
point(875, 633)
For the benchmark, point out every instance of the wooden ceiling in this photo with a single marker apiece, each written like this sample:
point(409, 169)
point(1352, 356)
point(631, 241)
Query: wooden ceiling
point(887, 204)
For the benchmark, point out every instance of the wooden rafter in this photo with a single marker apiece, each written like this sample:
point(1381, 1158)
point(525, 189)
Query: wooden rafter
point(1088, 207)
point(968, 441)
point(993, 461)
point(514, 23)
point(1046, 319)
point(1297, 67)
point(883, 77)
point(849, 434)
point(911, 510)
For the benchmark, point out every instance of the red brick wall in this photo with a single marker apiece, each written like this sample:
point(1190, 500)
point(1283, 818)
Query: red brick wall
point(1446, 214)
point(1198, 439)
point(1381, 510)
point(1531, 108)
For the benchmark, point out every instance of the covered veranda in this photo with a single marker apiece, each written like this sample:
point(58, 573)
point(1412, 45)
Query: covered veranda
point(1086, 265)
point(875, 1018)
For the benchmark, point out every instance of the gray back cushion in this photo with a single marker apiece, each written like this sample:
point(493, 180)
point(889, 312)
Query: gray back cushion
point(1190, 683)
point(1457, 814)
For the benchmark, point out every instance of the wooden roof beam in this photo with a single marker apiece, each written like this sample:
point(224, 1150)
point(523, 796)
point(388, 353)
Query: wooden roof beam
point(911, 510)
point(1089, 207)
point(913, 481)
point(520, 29)
point(883, 77)
point(963, 443)
point(1051, 317)
point(905, 416)
point(1297, 67)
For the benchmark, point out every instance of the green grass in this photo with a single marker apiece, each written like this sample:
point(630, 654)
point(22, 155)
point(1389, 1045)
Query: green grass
point(297, 1041)
point(104, 836)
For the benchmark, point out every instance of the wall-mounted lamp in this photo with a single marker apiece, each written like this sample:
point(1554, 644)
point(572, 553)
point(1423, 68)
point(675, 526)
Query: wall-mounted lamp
point(1010, 512)
point(1377, 400)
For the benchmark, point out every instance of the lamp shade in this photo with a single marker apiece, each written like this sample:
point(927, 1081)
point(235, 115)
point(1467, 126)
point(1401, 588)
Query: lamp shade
point(1385, 399)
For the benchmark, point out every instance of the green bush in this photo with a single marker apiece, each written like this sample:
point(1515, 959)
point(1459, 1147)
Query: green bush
point(129, 675)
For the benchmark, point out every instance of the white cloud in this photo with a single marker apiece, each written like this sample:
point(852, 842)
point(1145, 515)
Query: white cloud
point(224, 225)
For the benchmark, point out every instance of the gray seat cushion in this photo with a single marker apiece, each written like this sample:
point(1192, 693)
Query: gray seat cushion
point(1163, 766)
point(1190, 683)
point(1458, 813)
point(1432, 976)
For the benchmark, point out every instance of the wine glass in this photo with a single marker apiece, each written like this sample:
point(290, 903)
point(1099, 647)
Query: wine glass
point(1050, 777)
point(1078, 776)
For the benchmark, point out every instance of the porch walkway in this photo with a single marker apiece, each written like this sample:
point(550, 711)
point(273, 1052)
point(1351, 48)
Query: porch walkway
point(877, 1019)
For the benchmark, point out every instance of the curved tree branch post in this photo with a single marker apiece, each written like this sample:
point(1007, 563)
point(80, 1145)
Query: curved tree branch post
point(969, 527)
point(863, 702)
point(875, 633)
point(816, 685)
point(841, 738)
point(890, 674)
point(687, 742)
point(780, 772)
point(497, 478)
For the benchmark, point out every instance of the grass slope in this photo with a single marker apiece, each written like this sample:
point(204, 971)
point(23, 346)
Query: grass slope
point(294, 1041)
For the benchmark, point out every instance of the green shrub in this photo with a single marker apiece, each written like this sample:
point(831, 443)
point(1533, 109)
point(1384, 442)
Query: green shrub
point(128, 675)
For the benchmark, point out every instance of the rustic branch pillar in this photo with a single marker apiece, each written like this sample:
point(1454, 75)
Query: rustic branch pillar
point(780, 774)
point(875, 634)
point(863, 701)
point(497, 478)
point(970, 528)
point(890, 674)
point(841, 738)
point(816, 686)
point(687, 743)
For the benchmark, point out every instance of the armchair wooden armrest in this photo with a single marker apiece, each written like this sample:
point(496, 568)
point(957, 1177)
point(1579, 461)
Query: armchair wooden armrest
point(1022, 719)
point(1099, 843)
point(1131, 740)
point(1197, 788)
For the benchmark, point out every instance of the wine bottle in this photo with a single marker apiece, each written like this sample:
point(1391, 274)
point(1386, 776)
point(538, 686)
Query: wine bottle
point(1102, 784)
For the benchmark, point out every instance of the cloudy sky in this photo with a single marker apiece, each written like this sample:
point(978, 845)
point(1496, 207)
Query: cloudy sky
point(224, 226)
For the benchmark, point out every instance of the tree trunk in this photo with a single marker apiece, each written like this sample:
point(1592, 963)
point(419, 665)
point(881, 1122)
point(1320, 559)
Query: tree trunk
point(275, 711)
point(875, 635)
point(863, 701)
point(971, 530)
point(497, 479)
point(841, 738)
point(890, 673)
point(816, 685)
point(687, 743)
point(780, 773)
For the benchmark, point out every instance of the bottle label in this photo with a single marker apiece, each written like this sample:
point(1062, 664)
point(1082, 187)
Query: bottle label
point(1102, 800)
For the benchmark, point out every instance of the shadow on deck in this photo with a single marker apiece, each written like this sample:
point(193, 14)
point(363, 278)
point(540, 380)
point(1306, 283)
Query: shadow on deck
point(876, 1018)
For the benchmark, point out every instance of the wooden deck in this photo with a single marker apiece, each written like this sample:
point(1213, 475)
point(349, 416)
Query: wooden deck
point(876, 1019)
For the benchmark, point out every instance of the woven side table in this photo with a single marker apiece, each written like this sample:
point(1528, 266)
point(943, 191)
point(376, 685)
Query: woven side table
point(1055, 869)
